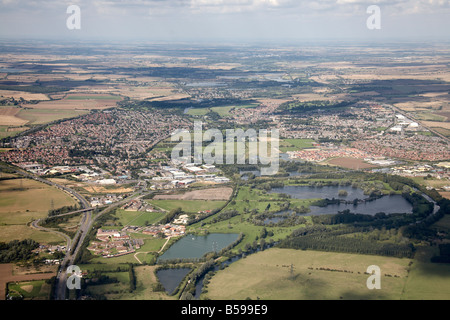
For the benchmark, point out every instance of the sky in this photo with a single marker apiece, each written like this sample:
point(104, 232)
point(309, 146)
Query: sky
point(226, 20)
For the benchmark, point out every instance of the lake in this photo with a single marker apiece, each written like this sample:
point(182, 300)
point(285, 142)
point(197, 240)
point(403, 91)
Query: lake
point(171, 278)
point(307, 192)
point(193, 246)
point(386, 204)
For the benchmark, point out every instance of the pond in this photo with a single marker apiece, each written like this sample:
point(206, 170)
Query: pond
point(193, 246)
point(171, 278)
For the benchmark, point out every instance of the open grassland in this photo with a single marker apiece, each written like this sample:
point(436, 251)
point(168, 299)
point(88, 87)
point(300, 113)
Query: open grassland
point(31, 290)
point(111, 290)
point(145, 281)
point(295, 144)
point(77, 102)
point(443, 131)
point(138, 218)
point(42, 116)
point(268, 275)
point(7, 131)
point(187, 205)
point(24, 200)
point(8, 116)
point(431, 182)
point(22, 94)
point(92, 97)
point(21, 231)
point(108, 189)
point(426, 280)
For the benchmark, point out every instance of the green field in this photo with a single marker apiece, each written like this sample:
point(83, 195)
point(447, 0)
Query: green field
point(42, 116)
point(25, 200)
point(250, 199)
point(426, 280)
point(138, 218)
point(5, 133)
point(268, 275)
point(187, 205)
point(295, 144)
point(145, 280)
point(222, 111)
point(36, 290)
point(426, 116)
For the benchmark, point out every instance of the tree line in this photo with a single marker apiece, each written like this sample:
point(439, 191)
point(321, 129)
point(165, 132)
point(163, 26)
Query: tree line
point(338, 240)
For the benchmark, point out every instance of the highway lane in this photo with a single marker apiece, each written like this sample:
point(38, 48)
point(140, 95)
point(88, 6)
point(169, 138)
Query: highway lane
point(74, 245)
point(85, 226)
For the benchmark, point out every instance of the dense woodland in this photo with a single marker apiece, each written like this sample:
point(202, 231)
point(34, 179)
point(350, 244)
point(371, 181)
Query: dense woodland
point(15, 251)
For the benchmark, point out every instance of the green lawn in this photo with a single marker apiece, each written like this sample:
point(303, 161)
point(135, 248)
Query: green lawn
point(295, 144)
point(198, 111)
point(138, 218)
point(187, 205)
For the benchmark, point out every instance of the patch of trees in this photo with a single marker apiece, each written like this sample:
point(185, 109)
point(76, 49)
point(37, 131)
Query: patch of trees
point(62, 210)
point(132, 277)
point(270, 185)
point(98, 278)
point(306, 106)
point(344, 217)
point(16, 250)
point(421, 207)
point(82, 153)
point(196, 275)
point(34, 89)
point(421, 230)
point(346, 240)
point(444, 254)
point(225, 215)
point(171, 215)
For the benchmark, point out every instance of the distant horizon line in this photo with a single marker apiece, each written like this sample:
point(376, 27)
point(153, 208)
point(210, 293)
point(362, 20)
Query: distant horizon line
point(226, 42)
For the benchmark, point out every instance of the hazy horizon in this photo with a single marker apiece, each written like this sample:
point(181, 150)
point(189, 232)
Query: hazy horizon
point(237, 21)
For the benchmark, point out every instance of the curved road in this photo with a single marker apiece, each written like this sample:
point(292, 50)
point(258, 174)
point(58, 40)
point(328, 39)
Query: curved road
point(83, 230)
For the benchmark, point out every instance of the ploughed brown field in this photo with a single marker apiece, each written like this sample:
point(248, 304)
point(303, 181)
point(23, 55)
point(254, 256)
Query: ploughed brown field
point(6, 275)
point(351, 163)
